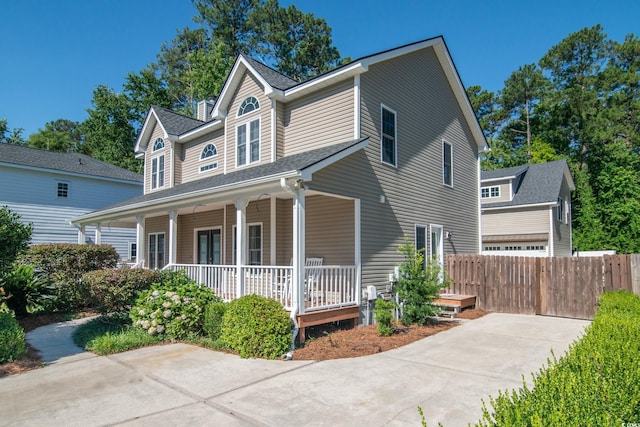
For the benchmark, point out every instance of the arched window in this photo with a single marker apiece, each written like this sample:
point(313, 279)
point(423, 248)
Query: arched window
point(208, 151)
point(248, 105)
point(158, 145)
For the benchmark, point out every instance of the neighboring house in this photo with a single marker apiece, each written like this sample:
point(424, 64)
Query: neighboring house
point(526, 210)
point(47, 189)
point(341, 167)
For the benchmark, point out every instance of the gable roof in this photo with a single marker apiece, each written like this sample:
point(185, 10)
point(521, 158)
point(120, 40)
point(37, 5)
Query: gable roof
point(272, 77)
point(541, 183)
point(297, 165)
point(175, 123)
point(70, 163)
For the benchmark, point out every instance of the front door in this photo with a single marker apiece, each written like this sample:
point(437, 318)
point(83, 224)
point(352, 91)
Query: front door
point(209, 246)
point(437, 246)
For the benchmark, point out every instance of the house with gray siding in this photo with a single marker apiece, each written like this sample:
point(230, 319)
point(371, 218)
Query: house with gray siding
point(277, 176)
point(47, 189)
point(526, 210)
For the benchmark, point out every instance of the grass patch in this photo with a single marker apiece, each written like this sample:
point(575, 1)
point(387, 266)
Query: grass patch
point(111, 334)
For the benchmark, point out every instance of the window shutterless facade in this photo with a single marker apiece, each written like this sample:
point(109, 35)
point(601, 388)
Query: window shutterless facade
point(208, 152)
point(63, 190)
point(490, 192)
point(560, 210)
point(157, 172)
point(254, 244)
point(156, 251)
point(388, 132)
point(248, 142)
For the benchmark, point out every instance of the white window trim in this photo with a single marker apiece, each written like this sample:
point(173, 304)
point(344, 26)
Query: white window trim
point(57, 189)
point(131, 256)
point(250, 112)
point(153, 147)
point(426, 240)
point(164, 253)
point(560, 210)
point(489, 188)
point(246, 255)
point(205, 159)
point(432, 228)
point(247, 124)
point(444, 143)
point(195, 242)
point(151, 181)
point(395, 137)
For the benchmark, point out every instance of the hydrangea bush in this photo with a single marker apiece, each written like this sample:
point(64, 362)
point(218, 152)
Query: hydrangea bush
point(174, 309)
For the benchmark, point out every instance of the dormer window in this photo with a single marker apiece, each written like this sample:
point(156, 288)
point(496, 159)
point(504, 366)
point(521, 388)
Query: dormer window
point(158, 145)
point(208, 152)
point(248, 105)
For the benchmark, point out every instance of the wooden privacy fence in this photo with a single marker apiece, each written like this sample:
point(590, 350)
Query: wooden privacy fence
point(556, 286)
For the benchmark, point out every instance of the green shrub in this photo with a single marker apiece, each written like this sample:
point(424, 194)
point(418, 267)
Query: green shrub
point(213, 314)
point(64, 265)
point(418, 286)
point(112, 334)
point(597, 382)
point(255, 326)
point(14, 238)
point(384, 317)
point(116, 290)
point(12, 343)
point(26, 290)
point(173, 309)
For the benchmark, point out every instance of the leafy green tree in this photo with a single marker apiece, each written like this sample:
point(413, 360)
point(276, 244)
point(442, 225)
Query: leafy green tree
point(10, 136)
point(485, 105)
point(143, 90)
point(14, 238)
point(60, 135)
point(108, 133)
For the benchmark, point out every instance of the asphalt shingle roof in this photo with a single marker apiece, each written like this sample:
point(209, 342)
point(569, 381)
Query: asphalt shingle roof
point(174, 123)
point(541, 183)
point(64, 162)
point(296, 162)
point(274, 78)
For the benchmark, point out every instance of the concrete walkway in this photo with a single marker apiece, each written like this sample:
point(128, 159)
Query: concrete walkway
point(55, 344)
point(447, 375)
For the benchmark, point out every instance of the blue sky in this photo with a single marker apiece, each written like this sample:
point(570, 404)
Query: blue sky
point(54, 53)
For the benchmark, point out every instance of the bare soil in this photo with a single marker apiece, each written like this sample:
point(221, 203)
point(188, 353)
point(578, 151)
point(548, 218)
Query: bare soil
point(323, 343)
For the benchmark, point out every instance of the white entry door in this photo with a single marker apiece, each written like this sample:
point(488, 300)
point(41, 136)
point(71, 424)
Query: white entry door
point(437, 243)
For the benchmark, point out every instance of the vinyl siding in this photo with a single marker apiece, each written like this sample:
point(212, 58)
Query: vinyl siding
point(516, 221)
point(150, 154)
point(249, 86)
point(280, 130)
point(562, 230)
point(186, 235)
point(190, 157)
point(319, 119)
point(51, 225)
point(284, 231)
point(157, 224)
point(256, 212)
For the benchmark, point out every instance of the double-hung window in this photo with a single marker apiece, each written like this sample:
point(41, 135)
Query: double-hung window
point(388, 143)
point(254, 244)
point(157, 166)
point(447, 164)
point(156, 251)
point(248, 142)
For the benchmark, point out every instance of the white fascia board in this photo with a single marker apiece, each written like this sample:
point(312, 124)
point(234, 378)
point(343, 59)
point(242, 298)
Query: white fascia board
point(307, 173)
point(145, 133)
point(68, 174)
point(325, 80)
point(175, 201)
point(199, 131)
point(533, 205)
point(502, 178)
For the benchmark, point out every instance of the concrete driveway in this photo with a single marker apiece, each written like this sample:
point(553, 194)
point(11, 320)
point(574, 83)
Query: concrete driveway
point(447, 375)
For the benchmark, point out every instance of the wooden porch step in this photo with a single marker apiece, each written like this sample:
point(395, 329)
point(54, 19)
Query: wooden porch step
point(320, 317)
point(453, 304)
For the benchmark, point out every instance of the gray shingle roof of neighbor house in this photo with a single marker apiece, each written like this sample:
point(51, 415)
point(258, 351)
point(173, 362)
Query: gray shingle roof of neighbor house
point(296, 162)
point(541, 183)
point(174, 123)
point(75, 163)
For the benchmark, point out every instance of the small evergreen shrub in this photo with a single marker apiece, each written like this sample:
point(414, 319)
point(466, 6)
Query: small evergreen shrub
point(597, 382)
point(26, 290)
point(64, 265)
point(213, 314)
point(384, 317)
point(173, 309)
point(418, 286)
point(116, 290)
point(12, 342)
point(256, 326)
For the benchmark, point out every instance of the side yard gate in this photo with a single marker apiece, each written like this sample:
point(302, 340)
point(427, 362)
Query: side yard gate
point(556, 286)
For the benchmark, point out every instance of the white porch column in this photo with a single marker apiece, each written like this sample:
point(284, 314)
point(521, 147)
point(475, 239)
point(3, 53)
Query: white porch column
point(173, 236)
point(81, 235)
point(357, 254)
point(298, 249)
point(241, 242)
point(140, 240)
point(98, 234)
point(272, 232)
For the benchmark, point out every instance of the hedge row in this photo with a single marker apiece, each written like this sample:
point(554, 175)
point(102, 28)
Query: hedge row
point(596, 383)
point(12, 342)
point(115, 290)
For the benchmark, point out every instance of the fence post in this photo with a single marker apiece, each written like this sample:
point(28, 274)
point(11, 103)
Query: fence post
point(538, 290)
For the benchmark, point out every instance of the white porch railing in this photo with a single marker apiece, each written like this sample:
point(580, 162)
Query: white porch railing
point(329, 286)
